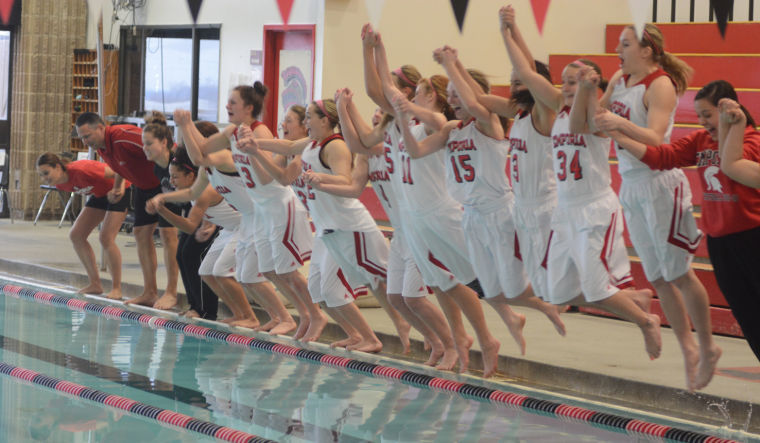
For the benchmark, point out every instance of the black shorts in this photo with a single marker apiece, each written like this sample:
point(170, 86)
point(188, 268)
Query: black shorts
point(103, 203)
point(142, 218)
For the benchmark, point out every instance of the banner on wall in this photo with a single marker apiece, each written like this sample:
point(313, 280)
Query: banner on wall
point(460, 9)
point(540, 7)
point(374, 11)
point(721, 9)
point(285, 7)
point(195, 7)
point(295, 78)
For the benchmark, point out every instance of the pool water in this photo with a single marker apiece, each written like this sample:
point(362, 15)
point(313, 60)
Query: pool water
point(268, 395)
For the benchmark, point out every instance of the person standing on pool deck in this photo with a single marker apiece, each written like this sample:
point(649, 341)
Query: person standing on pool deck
point(93, 178)
point(120, 146)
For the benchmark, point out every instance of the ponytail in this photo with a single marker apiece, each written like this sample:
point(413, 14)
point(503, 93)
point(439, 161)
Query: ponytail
point(155, 125)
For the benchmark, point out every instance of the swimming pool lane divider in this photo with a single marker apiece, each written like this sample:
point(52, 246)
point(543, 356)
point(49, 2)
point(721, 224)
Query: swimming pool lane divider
point(603, 420)
point(132, 406)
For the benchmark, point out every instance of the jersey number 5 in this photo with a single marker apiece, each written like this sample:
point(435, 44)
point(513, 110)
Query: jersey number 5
point(469, 171)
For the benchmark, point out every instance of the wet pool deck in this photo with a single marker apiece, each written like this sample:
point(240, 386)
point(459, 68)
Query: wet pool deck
point(600, 358)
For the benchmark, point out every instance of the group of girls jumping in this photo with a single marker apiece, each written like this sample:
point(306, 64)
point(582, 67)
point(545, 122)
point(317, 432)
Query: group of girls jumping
point(528, 218)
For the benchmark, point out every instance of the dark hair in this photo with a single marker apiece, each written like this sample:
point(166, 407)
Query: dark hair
point(182, 161)
point(718, 89)
point(53, 160)
point(155, 125)
point(89, 118)
point(543, 69)
point(578, 64)
point(480, 79)
point(299, 111)
point(254, 96)
point(207, 129)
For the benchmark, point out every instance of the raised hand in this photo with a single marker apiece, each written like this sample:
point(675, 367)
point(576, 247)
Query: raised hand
point(438, 55)
point(248, 143)
point(449, 55)
point(507, 17)
point(731, 112)
point(182, 117)
point(369, 39)
point(400, 103)
point(607, 121)
point(587, 77)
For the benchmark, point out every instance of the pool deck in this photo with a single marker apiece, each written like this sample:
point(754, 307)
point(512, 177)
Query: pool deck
point(600, 359)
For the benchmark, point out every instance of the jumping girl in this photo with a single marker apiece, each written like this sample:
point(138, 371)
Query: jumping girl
point(93, 178)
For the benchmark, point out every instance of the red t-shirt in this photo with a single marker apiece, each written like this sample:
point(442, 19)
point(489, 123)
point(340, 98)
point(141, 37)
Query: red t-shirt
point(87, 177)
point(728, 207)
point(123, 153)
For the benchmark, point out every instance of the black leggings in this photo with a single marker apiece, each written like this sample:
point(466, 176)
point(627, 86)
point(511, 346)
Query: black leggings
point(190, 254)
point(736, 260)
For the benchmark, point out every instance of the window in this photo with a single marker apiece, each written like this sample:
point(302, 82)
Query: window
point(5, 61)
point(158, 66)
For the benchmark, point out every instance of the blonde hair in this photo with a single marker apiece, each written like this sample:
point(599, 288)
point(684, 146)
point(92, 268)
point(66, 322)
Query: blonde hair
point(676, 68)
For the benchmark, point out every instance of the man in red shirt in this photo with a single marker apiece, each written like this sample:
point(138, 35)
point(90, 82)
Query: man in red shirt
point(120, 146)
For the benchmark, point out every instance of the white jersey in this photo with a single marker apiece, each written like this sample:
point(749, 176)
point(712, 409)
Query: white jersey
point(530, 162)
point(581, 162)
point(224, 215)
point(260, 193)
point(381, 184)
point(476, 167)
point(328, 211)
point(628, 102)
point(231, 187)
point(419, 182)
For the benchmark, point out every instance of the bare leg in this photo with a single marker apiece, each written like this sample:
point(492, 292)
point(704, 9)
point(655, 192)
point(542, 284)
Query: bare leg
point(698, 306)
point(529, 299)
point(285, 323)
point(622, 304)
point(402, 326)
point(110, 229)
point(170, 241)
point(369, 341)
point(146, 253)
point(462, 340)
point(433, 319)
point(515, 322)
point(87, 221)
point(470, 305)
point(397, 301)
point(280, 282)
point(352, 335)
point(317, 319)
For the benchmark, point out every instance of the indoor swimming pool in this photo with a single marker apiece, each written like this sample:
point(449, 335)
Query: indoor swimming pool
point(259, 389)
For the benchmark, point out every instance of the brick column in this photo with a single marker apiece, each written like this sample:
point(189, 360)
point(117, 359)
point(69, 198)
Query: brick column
point(41, 95)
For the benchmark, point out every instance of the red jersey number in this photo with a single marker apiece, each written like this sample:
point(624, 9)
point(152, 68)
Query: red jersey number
point(406, 170)
point(575, 166)
point(248, 178)
point(515, 171)
point(467, 171)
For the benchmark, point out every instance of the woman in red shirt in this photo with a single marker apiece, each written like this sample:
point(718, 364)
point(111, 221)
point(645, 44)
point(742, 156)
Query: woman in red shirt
point(89, 177)
point(730, 210)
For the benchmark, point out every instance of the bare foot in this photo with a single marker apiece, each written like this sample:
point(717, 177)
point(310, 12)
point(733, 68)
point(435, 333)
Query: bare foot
point(436, 352)
point(490, 352)
point(266, 327)
point(316, 326)
point(92, 289)
point(706, 368)
point(166, 301)
point(403, 334)
point(115, 294)
point(283, 327)
point(190, 313)
point(230, 320)
point(250, 323)
point(652, 339)
point(303, 326)
point(146, 299)
point(369, 345)
point(463, 346)
point(642, 298)
point(449, 360)
point(426, 344)
point(346, 342)
point(516, 330)
point(553, 313)
point(690, 361)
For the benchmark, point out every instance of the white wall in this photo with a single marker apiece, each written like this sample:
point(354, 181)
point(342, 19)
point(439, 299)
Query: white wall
point(241, 31)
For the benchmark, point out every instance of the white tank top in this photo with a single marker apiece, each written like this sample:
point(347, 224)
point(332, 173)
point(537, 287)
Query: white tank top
point(222, 214)
point(259, 192)
point(628, 102)
point(581, 162)
point(419, 183)
point(328, 211)
point(381, 184)
point(231, 187)
point(476, 166)
point(530, 162)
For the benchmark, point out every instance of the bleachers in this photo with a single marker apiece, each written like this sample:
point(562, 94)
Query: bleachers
point(735, 59)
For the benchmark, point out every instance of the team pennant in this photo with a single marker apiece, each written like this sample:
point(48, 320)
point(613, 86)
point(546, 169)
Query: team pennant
point(460, 8)
point(6, 6)
point(285, 7)
point(540, 7)
point(722, 8)
point(195, 7)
